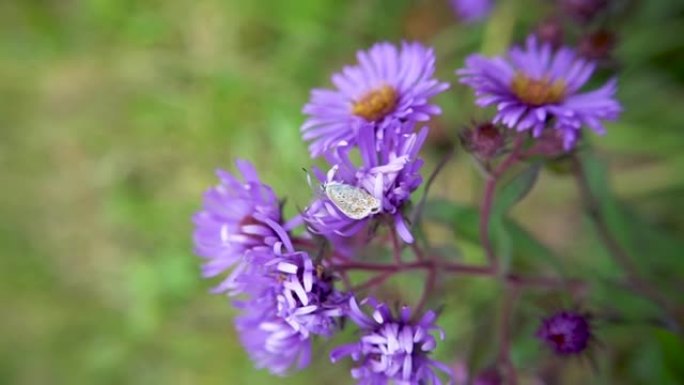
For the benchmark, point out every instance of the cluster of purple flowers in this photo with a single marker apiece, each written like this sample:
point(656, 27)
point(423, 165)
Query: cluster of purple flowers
point(285, 299)
point(367, 130)
point(374, 111)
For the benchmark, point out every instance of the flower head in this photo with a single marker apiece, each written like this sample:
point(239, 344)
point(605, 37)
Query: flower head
point(389, 172)
point(392, 348)
point(566, 332)
point(387, 84)
point(291, 300)
point(472, 10)
point(238, 217)
point(535, 87)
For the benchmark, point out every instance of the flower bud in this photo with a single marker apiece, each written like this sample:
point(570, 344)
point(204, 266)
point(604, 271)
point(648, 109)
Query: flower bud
point(566, 332)
point(597, 45)
point(550, 31)
point(484, 140)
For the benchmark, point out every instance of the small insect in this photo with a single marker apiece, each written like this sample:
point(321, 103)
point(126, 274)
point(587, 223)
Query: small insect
point(354, 202)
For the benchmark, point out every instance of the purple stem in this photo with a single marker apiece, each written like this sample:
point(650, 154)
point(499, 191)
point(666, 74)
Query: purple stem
point(514, 280)
point(396, 246)
point(504, 358)
point(430, 282)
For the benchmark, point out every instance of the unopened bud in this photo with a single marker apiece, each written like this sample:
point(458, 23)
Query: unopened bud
point(483, 140)
point(566, 332)
point(550, 31)
point(597, 45)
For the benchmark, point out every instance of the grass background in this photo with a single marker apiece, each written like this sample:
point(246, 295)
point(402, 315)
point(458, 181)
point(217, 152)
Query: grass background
point(114, 114)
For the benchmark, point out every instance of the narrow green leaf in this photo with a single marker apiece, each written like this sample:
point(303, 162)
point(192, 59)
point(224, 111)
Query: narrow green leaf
point(515, 190)
point(505, 198)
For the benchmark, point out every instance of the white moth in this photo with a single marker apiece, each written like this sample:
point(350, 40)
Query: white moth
point(353, 201)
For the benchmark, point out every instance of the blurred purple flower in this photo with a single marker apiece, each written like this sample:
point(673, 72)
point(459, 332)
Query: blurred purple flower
point(237, 217)
point(290, 301)
point(566, 332)
point(389, 171)
point(583, 11)
point(393, 349)
point(472, 10)
point(535, 86)
point(550, 31)
point(388, 84)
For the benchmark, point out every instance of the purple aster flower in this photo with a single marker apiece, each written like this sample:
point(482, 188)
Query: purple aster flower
point(238, 217)
point(393, 349)
point(290, 301)
point(472, 10)
point(566, 332)
point(389, 174)
point(388, 84)
point(535, 87)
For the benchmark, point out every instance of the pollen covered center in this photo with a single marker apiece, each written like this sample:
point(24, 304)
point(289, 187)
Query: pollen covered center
point(538, 92)
point(375, 104)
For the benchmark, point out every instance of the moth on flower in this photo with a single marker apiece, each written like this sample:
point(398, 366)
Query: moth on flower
point(388, 170)
point(354, 202)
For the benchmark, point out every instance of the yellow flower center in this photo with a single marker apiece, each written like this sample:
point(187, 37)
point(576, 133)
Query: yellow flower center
point(375, 104)
point(538, 92)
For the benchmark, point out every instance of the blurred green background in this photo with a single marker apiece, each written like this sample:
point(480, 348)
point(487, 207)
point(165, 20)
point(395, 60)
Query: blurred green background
point(115, 113)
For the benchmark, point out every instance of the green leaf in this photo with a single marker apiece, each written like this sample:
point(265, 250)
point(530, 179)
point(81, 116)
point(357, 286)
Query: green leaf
point(597, 180)
point(515, 190)
point(463, 220)
point(505, 198)
point(672, 348)
point(649, 247)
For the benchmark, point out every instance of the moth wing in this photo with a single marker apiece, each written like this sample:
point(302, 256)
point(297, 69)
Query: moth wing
point(354, 202)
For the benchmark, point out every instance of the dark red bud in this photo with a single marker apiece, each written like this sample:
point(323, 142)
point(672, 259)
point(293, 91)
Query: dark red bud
point(484, 140)
point(597, 45)
point(550, 31)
